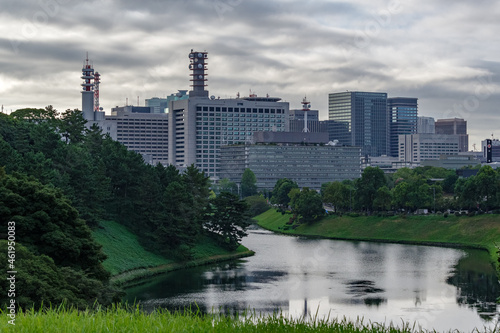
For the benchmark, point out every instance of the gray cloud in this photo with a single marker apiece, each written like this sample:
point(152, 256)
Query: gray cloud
point(436, 51)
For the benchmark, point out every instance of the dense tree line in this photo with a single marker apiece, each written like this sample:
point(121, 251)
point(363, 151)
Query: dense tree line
point(93, 178)
point(435, 189)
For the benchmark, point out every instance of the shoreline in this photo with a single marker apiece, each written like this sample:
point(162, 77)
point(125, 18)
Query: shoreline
point(263, 221)
point(136, 276)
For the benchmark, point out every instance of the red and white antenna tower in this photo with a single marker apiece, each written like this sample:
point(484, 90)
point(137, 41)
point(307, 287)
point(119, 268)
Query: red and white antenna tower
point(306, 106)
point(97, 80)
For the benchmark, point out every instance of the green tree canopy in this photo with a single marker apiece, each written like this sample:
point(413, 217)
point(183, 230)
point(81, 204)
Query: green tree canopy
point(281, 190)
point(248, 183)
point(307, 203)
point(227, 219)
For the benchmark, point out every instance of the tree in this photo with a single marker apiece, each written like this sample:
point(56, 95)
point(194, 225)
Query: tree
point(336, 194)
point(487, 185)
point(225, 185)
point(307, 203)
point(257, 204)
point(383, 199)
point(366, 187)
point(72, 126)
point(48, 224)
point(281, 190)
point(227, 219)
point(248, 183)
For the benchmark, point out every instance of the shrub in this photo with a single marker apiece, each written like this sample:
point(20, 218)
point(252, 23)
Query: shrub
point(445, 214)
point(353, 214)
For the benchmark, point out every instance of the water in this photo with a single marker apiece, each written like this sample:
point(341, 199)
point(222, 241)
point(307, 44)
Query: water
point(438, 288)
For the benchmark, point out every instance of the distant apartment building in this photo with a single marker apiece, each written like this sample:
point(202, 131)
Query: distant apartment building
point(425, 125)
point(418, 147)
point(301, 157)
point(402, 120)
point(360, 119)
point(454, 126)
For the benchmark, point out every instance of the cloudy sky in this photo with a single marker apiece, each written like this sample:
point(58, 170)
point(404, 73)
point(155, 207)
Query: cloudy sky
point(444, 52)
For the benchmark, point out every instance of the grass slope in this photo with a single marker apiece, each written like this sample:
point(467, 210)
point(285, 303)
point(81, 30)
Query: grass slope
point(123, 249)
point(482, 231)
point(129, 261)
point(122, 320)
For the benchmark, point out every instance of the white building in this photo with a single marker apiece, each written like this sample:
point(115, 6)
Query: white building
point(418, 147)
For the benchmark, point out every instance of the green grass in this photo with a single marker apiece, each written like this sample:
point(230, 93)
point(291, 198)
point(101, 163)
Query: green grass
point(123, 249)
point(119, 319)
point(481, 231)
point(128, 262)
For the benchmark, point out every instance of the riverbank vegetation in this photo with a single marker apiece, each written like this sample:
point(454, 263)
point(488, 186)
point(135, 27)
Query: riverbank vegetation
point(479, 231)
point(120, 319)
point(60, 180)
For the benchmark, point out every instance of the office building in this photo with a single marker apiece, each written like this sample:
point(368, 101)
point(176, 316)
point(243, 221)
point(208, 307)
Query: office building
point(494, 150)
point(415, 148)
point(299, 117)
point(425, 125)
point(454, 126)
point(452, 162)
point(199, 125)
point(360, 119)
point(160, 105)
point(144, 133)
point(301, 157)
point(403, 120)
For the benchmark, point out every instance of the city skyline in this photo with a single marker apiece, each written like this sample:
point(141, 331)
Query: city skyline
point(442, 54)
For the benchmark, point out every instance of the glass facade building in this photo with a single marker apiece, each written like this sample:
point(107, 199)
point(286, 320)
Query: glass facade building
point(403, 120)
point(360, 119)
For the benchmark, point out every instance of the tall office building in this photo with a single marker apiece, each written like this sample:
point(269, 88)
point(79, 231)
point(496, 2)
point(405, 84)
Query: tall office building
point(360, 119)
point(403, 120)
point(199, 125)
point(454, 126)
point(426, 125)
point(297, 118)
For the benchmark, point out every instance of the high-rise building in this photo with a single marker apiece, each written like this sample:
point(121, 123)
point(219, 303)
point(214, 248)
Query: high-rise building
point(454, 126)
point(403, 120)
point(360, 119)
point(297, 118)
point(425, 125)
point(199, 126)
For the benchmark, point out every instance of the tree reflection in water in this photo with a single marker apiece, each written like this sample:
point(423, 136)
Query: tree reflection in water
point(477, 284)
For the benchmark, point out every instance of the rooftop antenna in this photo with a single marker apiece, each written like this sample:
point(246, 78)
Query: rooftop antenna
point(306, 106)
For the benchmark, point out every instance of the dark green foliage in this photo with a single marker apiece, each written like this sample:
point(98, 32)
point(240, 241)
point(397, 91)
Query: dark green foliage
point(338, 195)
point(366, 187)
point(281, 190)
point(307, 203)
point(47, 224)
point(227, 219)
point(257, 204)
point(248, 183)
point(225, 185)
point(39, 280)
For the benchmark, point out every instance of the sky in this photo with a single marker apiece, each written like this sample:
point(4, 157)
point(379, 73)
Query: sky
point(445, 53)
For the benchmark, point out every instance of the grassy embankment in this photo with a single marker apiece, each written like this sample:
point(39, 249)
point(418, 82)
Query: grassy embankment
point(481, 231)
point(128, 261)
point(122, 320)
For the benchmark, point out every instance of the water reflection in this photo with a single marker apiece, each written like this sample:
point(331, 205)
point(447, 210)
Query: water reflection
point(438, 288)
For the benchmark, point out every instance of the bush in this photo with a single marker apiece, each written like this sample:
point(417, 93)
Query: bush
point(353, 214)
point(457, 213)
point(445, 214)
point(256, 205)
